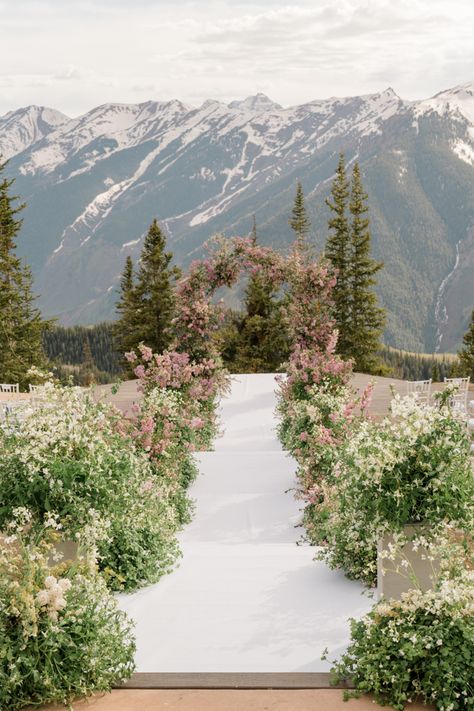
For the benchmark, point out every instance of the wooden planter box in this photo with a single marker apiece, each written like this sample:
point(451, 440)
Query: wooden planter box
point(393, 578)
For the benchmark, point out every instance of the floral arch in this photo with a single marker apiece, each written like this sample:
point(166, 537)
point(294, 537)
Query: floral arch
point(307, 310)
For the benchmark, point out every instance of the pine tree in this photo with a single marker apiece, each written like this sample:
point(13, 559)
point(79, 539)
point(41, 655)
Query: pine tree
point(253, 234)
point(466, 354)
point(21, 324)
point(299, 222)
point(125, 329)
point(88, 368)
point(147, 304)
point(260, 342)
point(338, 251)
point(366, 318)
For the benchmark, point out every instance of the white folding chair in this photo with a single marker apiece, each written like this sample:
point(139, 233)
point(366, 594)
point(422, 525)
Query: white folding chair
point(9, 388)
point(420, 388)
point(458, 399)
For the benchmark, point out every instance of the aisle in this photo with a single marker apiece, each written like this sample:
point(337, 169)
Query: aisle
point(245, 598)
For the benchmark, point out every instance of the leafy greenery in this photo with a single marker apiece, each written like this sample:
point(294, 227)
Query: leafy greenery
point(417, 366)
point(419, 648)
point(255, 341)
point(366, 317)
point(21, 324)
point(66, 345)
point(358, 318)
point(74, 457)
point(413, 468)
point(147, 302)
point(61, 632)
point(299, 221)
point(338, 251)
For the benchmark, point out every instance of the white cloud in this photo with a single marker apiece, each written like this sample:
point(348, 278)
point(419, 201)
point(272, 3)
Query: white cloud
point(81, 53)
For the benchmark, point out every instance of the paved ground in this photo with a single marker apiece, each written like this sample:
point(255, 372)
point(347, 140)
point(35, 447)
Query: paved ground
point(382, 395)
point(227, 700)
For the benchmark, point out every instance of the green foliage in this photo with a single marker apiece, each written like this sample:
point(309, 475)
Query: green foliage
point(61, 632)
point(299, 221)
point(413, 468)
point(366, 318)
point(84, 353)
point(71, 456)
point(255, 341)
point(417, 366)
point(147, 300)
point(20, 321)
point(124, 329)
point(358, 318)
point(419, 648)
point(338, 251)
point(466, 354)
point(262, 344)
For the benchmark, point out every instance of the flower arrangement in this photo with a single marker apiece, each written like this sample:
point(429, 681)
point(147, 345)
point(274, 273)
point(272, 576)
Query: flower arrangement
point(314, 430)
point(412, 468)
point(77, 458)
point(61, 632)
point(419, 647)
point(199, 385)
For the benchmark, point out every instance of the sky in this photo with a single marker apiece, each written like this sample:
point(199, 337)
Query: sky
point(73, 55)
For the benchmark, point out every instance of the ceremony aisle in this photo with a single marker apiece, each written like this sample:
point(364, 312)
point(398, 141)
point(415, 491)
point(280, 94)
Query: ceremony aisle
point(246, 597)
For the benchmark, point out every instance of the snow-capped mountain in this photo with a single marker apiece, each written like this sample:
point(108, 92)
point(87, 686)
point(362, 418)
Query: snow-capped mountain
point(94, 183)
point(22, 128)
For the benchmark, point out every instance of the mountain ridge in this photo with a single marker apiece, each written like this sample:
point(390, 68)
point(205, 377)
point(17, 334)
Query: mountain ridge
point(93, 183)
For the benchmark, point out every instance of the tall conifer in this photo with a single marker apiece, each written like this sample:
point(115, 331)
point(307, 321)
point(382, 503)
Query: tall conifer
point(338, 251)
point(253, 234)
point(299, 221)
point(154, 291)
point(366, 318)
point(20, 321)
point(125, 329)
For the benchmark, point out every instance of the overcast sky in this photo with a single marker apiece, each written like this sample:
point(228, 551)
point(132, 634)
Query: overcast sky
point(75, 54)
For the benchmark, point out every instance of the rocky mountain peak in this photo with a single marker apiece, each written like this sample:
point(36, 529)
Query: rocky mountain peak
point(258, 103)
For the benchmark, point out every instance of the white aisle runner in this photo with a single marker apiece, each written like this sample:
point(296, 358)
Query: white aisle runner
point(246, 597)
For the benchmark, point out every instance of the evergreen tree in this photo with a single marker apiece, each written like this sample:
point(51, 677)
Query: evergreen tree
point(366, 318)
point(125, 329)
point(154, 291)
point(147, 303)
point(466, 354)
point(21, 325)
point(88, 368)
point(253, 234)
point(299, 221)
point(338, 251)
point(261, 344)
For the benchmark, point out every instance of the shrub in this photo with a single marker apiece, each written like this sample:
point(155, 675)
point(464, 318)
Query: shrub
point(75, 457)
point(421, 647)
point(61, 632)
point(412, 468)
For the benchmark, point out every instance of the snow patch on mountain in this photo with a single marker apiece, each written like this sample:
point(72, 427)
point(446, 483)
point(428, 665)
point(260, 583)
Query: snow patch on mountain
point(459, 100)
point(464, 151)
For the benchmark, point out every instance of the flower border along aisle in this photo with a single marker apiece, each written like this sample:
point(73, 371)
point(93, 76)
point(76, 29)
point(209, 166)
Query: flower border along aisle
point(360, 480)
point(61, 632)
